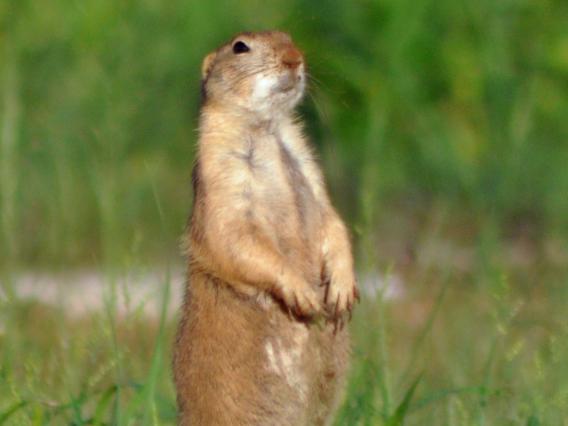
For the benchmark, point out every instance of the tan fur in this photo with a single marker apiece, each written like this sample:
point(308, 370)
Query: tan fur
point(267, 253)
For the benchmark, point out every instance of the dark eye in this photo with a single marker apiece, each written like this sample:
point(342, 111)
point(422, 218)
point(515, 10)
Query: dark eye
point(240, 47)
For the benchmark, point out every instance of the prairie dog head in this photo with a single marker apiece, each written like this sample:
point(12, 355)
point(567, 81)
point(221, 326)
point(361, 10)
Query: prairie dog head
point(262, 73)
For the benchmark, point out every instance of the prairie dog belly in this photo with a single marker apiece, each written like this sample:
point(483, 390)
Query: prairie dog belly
point(281, 199)
point(305, 362)
point(282, 372)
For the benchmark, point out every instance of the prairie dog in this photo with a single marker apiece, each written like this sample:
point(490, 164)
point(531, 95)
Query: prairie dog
point(267, 253)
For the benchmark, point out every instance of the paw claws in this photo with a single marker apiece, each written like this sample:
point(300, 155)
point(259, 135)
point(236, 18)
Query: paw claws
point(340, 300)
point(299, 301)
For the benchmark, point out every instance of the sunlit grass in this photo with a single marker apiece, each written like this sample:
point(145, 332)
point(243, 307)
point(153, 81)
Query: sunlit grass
point(451, 351)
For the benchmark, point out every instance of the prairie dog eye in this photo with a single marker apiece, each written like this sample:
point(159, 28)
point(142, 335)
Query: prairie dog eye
point(240, 47)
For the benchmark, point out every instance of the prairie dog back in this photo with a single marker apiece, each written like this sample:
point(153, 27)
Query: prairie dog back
point(267, 253)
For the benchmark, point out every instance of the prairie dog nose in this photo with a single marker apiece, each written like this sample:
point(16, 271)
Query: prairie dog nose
point(292, 57)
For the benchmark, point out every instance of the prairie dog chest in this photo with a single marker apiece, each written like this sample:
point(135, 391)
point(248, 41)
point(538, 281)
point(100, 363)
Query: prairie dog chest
point(279, 179)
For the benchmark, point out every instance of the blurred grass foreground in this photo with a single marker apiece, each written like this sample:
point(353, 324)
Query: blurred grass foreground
point(442, 128)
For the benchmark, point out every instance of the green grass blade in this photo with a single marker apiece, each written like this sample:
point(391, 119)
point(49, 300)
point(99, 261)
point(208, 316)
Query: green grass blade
point(146, 396)
point(436, 396)
point(103, 404)
point(11, 411)
point(419, 342)
point(533, 421)
point(397, 419)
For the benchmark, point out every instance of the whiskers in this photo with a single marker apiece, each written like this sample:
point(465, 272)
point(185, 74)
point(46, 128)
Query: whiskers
point(317, 87)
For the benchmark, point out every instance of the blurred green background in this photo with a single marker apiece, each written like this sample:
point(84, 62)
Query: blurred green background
point(442, 128)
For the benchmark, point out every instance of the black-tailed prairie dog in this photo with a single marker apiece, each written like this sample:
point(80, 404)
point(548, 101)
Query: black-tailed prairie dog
point(267, 253)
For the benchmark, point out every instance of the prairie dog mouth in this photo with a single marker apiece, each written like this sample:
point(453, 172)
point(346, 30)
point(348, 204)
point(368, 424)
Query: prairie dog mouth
point(284, 89)
point(289, 82)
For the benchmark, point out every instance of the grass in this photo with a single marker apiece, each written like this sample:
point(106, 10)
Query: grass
point(457, 349)
point(441, 127)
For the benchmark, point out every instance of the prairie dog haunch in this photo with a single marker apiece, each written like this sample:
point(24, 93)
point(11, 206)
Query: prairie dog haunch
point(266, 252)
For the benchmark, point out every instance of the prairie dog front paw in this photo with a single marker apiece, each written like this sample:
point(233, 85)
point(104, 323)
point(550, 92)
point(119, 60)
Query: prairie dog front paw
point(341, 292)
point(298, 296)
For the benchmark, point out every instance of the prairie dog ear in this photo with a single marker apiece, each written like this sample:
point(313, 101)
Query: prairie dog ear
point(206, 65)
